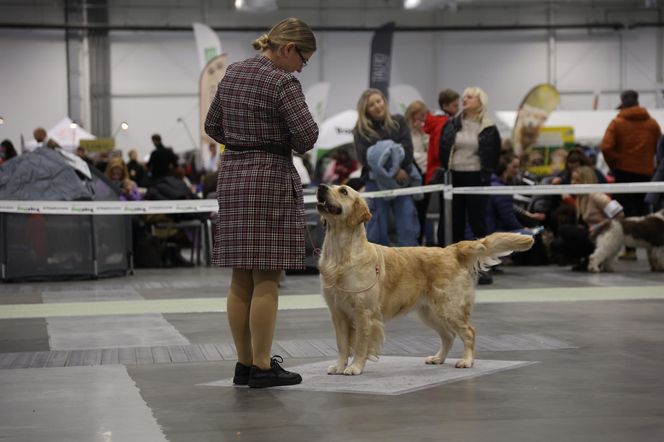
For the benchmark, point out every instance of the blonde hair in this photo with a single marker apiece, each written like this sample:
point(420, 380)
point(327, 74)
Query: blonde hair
point(413, 109)
point(364, 125)
point(117, 162)
point(586, 176)
point(289, 30)
point(481, 96)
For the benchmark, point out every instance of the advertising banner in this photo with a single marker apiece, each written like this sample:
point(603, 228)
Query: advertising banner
point(381, 58)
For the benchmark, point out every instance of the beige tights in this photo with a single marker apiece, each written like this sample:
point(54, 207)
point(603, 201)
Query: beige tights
point(252, 313)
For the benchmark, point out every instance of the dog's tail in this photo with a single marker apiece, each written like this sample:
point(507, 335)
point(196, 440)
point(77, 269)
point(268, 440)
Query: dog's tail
point(484, 253)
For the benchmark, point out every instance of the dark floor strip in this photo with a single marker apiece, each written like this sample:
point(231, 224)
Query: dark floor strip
point(303, 348)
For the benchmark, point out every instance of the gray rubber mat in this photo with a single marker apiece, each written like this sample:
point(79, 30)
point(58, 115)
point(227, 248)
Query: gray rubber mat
point(390, 375)
point(419, 346)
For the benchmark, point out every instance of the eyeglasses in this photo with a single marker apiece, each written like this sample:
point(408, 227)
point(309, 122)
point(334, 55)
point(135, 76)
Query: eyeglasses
point(304, 60)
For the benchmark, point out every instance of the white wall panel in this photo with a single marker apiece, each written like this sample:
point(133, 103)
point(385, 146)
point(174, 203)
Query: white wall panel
point(505, 64)
point(33, 83)
point(588, 63)
point(155, 75)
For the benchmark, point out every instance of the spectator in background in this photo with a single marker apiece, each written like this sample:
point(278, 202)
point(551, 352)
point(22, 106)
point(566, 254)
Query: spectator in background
point(628, 147)
point(448, 100)
point(374, 124)
point(213, 162)
point(340, 167)
point(40, 136)
point(7, 151)
point(416, 113)
point(656, 199)
point(578, 240)
point(470, 148)
point(576, 157)
point(102, 161)
point(80, 152)
point(117, 172)
point(137, 172)
point(163, 161)
point(500, 213)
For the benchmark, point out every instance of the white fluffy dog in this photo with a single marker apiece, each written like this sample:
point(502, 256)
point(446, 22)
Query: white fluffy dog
point(642, 232)
point(607, 246)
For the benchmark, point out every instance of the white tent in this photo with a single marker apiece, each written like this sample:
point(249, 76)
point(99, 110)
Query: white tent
point(401, 95)
point(316, 97)
point(67, 137)
point(335, 131)
point(589, 125)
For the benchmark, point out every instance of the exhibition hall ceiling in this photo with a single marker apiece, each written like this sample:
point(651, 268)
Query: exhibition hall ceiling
point(333, 14)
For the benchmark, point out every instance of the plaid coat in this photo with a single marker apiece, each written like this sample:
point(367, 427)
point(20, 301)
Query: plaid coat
point(261, 211)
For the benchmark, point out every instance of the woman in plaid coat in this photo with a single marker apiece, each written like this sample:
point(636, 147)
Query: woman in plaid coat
point(260, 115)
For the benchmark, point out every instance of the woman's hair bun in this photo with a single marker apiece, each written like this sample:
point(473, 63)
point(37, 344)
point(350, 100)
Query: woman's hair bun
point(261, 43)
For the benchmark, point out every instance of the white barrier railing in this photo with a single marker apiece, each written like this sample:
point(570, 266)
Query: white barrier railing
point(210, 205)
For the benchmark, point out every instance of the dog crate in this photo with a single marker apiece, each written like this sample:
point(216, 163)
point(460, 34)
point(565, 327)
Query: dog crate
point(48, 247)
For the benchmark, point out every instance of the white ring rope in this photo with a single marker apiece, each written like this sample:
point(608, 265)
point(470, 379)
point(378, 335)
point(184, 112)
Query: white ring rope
point(210, 205)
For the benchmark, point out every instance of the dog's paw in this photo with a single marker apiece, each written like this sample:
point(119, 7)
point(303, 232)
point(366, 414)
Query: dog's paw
point(434, 360)
point(336, 369)
point(593, 268)
point(464, 363)
point(352, 370)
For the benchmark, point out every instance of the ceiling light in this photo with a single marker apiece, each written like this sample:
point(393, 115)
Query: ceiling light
point(256, 5)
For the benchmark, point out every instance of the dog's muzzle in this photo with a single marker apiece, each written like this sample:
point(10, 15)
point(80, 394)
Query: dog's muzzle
point(323, 205)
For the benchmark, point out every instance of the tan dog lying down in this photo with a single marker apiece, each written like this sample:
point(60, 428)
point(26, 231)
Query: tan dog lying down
point(366, 284)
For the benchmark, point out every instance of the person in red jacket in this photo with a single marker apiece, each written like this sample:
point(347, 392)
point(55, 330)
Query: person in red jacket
point(448, 100)
point(628, 146)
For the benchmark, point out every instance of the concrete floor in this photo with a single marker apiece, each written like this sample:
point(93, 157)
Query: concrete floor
point(146, 358)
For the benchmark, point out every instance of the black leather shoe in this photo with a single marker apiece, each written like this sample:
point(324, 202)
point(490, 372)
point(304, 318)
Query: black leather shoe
point(241, 374)
point(274, 377)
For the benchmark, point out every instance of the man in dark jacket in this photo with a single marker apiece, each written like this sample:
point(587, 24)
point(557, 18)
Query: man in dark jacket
point(163, 161)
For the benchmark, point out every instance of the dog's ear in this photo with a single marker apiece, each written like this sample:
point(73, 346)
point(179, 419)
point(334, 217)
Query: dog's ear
point(359, 213)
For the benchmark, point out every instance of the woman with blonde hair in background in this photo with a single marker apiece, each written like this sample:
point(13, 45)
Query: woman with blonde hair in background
point(260, 115)
point(587, 237)
point(117, 172)
point(374, 125)
point(470, 149)
point(597, 211)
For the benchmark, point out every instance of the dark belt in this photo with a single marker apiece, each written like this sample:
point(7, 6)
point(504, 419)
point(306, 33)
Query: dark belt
point(277, 149)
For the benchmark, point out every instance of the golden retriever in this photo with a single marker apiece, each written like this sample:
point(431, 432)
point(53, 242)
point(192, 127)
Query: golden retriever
point(365, 284)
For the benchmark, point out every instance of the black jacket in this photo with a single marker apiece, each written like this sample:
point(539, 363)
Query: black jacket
point(400, 136)
point(489, 147)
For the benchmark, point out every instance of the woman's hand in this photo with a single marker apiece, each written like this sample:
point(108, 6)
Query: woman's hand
point(537, 216)
point(401, 176)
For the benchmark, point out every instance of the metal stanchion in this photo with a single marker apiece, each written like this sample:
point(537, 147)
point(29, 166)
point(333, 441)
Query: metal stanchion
point(447, 201)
